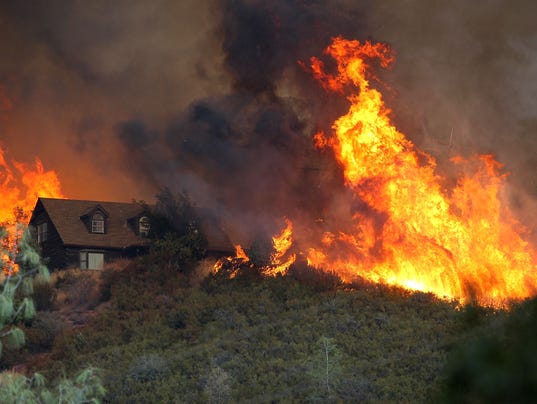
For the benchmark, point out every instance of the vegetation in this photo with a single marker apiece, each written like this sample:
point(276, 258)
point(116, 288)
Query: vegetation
point(251, 338)
point(20, 263)
point(84, 388)
point(175, 231)
point(239, 336)
point(497, 361)
point(255, 339)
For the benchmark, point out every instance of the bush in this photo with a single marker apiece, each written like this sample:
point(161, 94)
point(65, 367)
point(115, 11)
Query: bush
point(148, 367)
point(108, 278)
point(79, 288)
point(499, 364)
point(217, 386)
point(44, 296)
point(17, 388)
point(177, 239)
point(46, 326)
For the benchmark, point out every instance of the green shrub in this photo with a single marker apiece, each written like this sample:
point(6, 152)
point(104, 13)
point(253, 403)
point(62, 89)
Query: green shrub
point(217, 386)
point(85, 387)
point(498, 363)
point(148, 367)
point(21, 265)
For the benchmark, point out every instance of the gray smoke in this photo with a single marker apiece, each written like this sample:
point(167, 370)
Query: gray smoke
point(209, 97)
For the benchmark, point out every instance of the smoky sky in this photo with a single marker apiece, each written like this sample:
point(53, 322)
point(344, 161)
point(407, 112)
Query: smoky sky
point(123, 98)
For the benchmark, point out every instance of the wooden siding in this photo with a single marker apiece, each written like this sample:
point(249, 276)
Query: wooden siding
point(52, 249)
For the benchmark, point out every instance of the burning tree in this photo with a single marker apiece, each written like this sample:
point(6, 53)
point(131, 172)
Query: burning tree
point(21, 265)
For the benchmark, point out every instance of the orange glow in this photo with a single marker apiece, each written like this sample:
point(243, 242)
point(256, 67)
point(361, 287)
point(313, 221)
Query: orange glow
point(10, 267)
point(461, 243)
point(232, 265)
point(20, 186)
point(280, 260)
point(240, 254)
point(320, 141)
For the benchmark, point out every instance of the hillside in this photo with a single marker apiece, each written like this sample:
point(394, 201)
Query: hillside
point(249, 339)
point(160, 335)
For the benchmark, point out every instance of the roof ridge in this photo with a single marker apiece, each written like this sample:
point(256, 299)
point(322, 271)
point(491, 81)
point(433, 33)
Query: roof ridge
point(85, 200)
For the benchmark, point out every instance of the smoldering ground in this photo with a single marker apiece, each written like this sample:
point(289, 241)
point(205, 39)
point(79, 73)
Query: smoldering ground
point(208, 96)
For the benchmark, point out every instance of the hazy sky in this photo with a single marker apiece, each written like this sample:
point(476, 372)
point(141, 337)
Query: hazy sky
point(124, 97)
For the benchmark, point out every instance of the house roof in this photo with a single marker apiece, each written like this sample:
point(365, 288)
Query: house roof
point(66, 215)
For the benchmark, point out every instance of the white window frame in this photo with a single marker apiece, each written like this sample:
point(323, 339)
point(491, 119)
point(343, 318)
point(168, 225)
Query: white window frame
point(42, 232)
point(144, 226)
point(92, 260)
point(97, 223)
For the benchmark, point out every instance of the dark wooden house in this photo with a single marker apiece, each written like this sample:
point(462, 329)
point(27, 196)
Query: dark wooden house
point(86, 234)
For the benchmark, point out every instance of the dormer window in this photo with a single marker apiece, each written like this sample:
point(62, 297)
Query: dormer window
point(97, 223)
point(144, 226)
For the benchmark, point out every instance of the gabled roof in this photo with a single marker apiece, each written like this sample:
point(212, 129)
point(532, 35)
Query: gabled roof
point(66, 215)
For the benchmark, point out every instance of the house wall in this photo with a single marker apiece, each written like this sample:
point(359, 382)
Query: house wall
point(72, 254)
point(57, 256)
point(52, 249)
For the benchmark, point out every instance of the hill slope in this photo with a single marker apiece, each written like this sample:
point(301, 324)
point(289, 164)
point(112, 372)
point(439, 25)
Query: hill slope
point(253, 339)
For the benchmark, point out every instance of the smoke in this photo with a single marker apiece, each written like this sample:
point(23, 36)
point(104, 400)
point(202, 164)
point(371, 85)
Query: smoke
point(208, 96)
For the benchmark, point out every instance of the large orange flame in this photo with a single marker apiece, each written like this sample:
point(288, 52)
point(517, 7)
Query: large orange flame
point(20, 186)
point(460, 243)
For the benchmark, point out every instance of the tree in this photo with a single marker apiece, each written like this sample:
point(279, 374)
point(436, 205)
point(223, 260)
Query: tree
point(325, 368)
point(21, 265)
point(217, 387)
point(86, 387)
point(175, 230)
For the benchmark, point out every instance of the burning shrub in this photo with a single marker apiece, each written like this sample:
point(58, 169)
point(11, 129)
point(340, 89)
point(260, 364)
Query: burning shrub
point(20, 263)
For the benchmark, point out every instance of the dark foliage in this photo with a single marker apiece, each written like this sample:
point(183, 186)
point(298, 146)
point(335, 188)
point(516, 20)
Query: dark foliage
point(319, 280)
point(44, 329)
point(175, 234)
point(44, 296)
point(497, 363)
